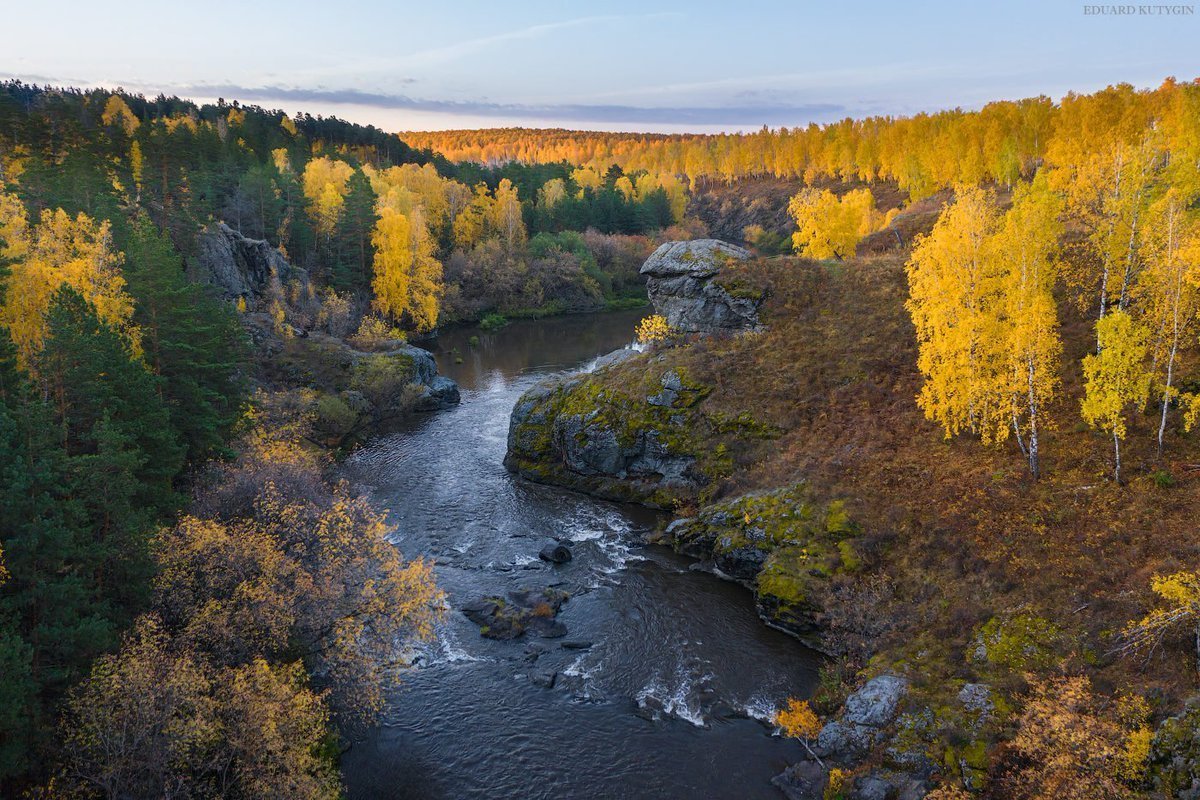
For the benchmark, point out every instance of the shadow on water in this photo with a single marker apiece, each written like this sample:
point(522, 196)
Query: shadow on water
point(668, 699)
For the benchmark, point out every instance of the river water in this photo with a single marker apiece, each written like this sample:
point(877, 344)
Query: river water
point(669, 701)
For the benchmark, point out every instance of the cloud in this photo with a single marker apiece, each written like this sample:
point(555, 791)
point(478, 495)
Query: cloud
point(449, 53)
point(741, 114)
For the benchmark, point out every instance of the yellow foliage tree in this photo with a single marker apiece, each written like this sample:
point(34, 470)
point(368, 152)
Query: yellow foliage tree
point(117, 113)
point(62, 250)
point(654, 329)
point(1180, 609)
point(324, 183)
point(828, 226)
point(1116, 378)
point(1024, 252)
point(407, 277)
point(552, 193)
point(798, 721)
point(1169, 293)
point(1073, 747)
point(952, 292)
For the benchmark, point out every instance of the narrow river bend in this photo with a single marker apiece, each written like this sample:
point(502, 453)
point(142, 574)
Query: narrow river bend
point(667, 700)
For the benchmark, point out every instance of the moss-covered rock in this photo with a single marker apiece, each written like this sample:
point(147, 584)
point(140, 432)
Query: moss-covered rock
point(781, 543)
point(645, 442)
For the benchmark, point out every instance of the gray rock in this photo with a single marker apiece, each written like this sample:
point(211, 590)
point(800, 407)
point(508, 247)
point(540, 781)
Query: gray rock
point(615, 357)
point(844, 742)
point(873, 787)
point(679, 281)
point(977, 698)
point(876, 703)
point(555, 553)
point(238, 267)
point(887, 785)
point(804, 780)
point(543, 679)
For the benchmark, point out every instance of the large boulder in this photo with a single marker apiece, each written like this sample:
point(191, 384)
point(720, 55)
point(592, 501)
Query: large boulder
point(625, 444)
point(682, 282)
point(242, 268)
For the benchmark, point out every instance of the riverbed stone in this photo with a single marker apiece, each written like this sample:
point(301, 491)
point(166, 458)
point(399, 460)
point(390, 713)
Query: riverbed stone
point(555, 553)
point(804, 780)
point(520, 611)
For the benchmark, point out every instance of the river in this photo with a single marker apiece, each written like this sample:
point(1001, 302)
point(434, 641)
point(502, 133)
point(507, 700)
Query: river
point(668, 700)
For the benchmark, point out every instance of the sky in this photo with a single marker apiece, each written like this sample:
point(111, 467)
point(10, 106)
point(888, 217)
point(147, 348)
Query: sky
point(635, 65)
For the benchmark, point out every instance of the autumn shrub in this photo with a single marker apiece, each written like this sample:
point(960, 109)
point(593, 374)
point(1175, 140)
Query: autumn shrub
point(1072, 745)
point(654, 330)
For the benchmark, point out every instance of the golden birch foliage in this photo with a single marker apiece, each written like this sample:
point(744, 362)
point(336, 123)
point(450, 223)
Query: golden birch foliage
point(136, 164)
point(276, 724)
point(470, 225)
point(63, 250)
point(951, 283)
point(1179, 609)
point(798, 720)
point(654, 329)
point(324, 183)
point(828, 226)
point(1074, 747)
point(1117, 379)
point(117, 112)
point(287, 124)
point(281, 160)
point(587, 178)
point(1024, 250)
point(552, 193)
point(407, 277)
point(506, 220)
point(1168, 289)
point(392, 240)
point(624, 187)
point(425, 187)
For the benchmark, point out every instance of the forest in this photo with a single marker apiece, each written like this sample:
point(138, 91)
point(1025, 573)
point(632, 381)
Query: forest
point(193, 605)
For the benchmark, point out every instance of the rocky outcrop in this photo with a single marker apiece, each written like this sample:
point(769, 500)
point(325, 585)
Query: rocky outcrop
point(241, 268)
point(685, 283)
point(636, 445)
point(781, 544)
point(846, 740)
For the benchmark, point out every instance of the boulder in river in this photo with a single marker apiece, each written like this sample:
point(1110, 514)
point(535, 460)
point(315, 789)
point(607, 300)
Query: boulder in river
point(524, 610)
point(682, 282)
point(555, 553)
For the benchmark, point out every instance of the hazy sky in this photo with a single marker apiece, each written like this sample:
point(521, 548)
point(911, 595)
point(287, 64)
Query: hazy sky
point(637, 65)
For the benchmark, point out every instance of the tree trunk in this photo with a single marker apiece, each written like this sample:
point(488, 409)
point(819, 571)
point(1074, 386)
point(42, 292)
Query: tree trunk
point(1117, 453)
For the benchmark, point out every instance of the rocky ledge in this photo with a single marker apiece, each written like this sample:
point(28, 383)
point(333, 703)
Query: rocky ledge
point(780, 544)
point(636, 445)
point(694, 286)
point(351, 390)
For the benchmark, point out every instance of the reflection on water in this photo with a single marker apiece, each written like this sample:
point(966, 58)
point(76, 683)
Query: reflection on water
point(665, 702)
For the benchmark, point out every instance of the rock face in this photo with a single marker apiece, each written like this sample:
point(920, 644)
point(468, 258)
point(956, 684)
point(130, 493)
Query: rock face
point(781, 544)
point(242, 268)
point(569, 431)
point(682, 282)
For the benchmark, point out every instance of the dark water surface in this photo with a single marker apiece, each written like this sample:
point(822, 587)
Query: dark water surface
point(667, 701)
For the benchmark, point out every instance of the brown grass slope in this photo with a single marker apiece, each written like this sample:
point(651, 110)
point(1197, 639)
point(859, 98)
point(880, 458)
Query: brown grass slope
point(957, 532)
